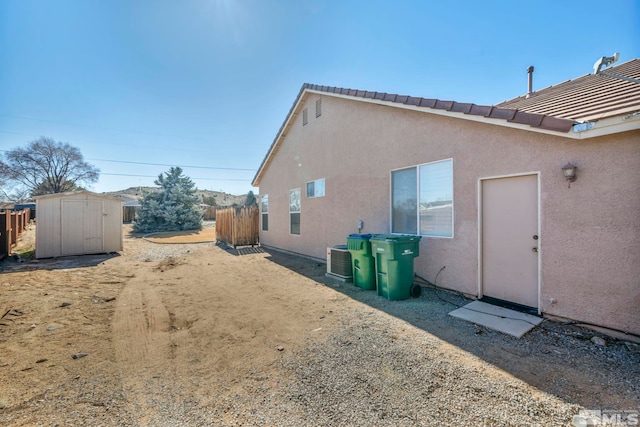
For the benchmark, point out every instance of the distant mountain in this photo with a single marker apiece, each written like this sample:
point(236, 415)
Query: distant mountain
point(131, 195)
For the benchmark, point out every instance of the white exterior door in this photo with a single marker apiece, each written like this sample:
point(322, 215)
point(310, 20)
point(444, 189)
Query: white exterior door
point(82, 227)
point(510, 239)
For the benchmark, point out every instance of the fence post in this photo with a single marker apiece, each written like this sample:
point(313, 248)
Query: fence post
point(5, 234)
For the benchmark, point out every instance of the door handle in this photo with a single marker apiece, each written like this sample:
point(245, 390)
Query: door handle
point(534, 249)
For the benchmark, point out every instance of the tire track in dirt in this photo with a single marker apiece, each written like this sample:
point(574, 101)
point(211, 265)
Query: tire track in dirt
point(142, 345)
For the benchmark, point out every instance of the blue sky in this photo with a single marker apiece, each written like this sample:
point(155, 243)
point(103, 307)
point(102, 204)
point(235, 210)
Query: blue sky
point(208, 83)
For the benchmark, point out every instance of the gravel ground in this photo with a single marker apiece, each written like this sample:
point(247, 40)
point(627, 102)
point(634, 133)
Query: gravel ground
point(407, 363)
point(403, 363)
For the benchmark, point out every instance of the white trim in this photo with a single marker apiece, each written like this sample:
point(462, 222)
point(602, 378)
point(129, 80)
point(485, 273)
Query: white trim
point(262, 212)
point(608, 126)
point(298, 212)
point(539, 220)
point(602, 127)
point(453, 114)
point(314, 181)
point(453, 206)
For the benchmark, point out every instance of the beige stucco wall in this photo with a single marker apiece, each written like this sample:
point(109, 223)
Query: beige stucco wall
point(589, 233)
point(49, 237)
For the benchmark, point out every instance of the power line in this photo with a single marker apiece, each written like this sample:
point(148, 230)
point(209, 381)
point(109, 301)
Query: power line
point(163, 164)
point(105, 128)
point(152, 147)
point(150, 164)
point(155, 176)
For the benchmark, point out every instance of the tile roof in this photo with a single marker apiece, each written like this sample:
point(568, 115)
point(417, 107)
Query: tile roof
point(587, 98)
point(542, 121)
point(557, 108)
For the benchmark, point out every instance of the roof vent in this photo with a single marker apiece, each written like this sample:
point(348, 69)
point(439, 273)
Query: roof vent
point(530, 88)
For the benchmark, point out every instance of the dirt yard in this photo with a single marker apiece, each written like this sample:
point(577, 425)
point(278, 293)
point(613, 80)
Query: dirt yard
point(195, 335)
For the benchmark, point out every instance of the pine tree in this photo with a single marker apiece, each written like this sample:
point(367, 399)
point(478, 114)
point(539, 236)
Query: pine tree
point(251, 199)
point(173, 207)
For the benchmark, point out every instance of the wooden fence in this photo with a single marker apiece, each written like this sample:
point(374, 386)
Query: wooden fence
point(209, 213)
point(237, 226)
point(129, 213)
point(12, 225)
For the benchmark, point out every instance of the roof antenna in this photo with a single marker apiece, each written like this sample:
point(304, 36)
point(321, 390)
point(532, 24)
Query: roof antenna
point(530, 72)
point(606, 61)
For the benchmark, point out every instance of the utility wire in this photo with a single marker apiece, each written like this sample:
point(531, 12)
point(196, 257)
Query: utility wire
point(106, 128)
point(154, 147)
point(155, 176)
point(163, 164)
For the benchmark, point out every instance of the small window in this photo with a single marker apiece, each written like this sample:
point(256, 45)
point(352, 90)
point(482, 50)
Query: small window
point(294, 211)
point(318, 107)
point(264, 207)
point(305, 119)
point(422, 199)
point(436, 199)
point(315, 188)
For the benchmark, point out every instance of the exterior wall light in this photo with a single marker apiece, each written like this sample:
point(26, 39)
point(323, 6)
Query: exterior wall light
point(569, 172)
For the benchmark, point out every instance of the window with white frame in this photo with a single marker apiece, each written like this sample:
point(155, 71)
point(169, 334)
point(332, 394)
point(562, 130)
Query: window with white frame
point(315, 188)
point(305, 118)
point(294, 211)
point(422, 199)
point(264, 207)
point(318, 108)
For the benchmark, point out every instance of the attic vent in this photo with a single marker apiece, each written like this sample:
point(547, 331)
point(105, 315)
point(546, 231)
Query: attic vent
point(305, 119)
point(318, 107)
point(339, 262)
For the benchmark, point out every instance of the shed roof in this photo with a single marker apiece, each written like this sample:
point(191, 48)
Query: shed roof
point(587, 98)
point(73, 193)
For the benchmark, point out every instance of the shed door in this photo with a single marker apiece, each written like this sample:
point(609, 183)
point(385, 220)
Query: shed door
point(510, 239)
point(82, 227)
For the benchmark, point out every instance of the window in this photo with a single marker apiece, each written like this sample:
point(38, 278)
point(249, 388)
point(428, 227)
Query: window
point(264, 207)
point(294, 211)
point(318, 107)
point(422, 199)
point(404, 201)
point(315, 188)
point(305, 120)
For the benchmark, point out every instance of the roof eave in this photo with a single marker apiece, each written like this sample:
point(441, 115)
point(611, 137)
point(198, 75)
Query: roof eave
point(491, 115)
point(71, 193)
point(609, 126)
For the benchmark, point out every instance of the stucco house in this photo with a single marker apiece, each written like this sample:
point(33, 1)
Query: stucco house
point(482, 185)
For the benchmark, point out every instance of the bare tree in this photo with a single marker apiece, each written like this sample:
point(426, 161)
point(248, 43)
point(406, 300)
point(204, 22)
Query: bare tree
point(46, 166)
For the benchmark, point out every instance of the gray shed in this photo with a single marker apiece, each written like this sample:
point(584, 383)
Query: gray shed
point(77, 223)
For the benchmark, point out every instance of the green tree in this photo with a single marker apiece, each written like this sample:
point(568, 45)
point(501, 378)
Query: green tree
point(46, 166)
point(209, 200)
point(251, 199)
point(174, 206)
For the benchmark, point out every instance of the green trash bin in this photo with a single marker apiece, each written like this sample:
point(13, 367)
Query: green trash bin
point(393, 255)
point(364, 272)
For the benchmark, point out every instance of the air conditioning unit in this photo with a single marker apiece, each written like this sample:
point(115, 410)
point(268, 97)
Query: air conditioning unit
point(339, 262)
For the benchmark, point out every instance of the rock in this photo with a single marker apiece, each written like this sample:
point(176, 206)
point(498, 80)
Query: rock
point(41, 360)
point(280, 348)
point(632, 346)
point(599, 341)
point(65, 304)
point(109, 299)
point(79, 355)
